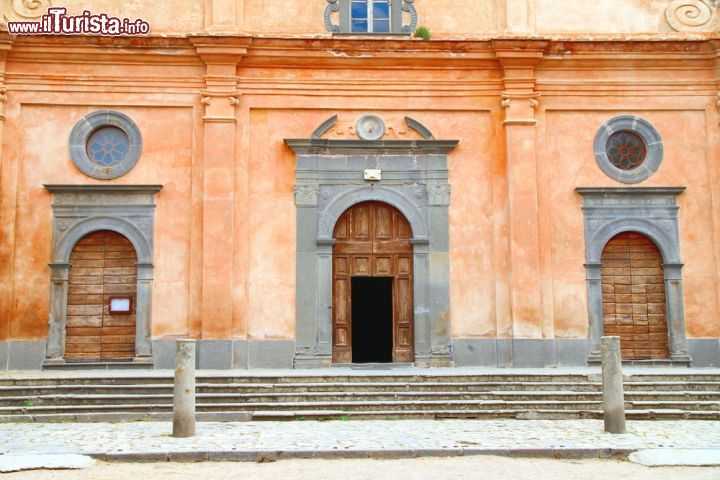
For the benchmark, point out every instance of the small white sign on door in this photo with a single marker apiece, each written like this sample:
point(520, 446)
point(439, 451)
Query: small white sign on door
point(120, 305)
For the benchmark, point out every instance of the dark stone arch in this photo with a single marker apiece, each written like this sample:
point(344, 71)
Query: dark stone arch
point(652, 212)
point(79, 210)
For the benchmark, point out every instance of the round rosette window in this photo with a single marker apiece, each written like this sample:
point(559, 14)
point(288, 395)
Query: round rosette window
point(105, 144)
point(628, 149)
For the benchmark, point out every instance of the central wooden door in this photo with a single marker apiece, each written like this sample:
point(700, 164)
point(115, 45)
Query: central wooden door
point(102, 268)
point(373, 240)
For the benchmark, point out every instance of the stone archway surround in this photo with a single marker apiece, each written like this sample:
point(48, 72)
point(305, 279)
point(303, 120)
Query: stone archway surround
point(79, 210)
point(652, 212)
point(329, 180)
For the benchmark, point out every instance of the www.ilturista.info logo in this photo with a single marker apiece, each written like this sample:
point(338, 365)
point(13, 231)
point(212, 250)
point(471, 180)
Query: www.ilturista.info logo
point(57, 22)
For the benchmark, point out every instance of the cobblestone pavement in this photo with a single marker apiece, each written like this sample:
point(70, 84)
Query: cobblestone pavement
point(472, 468)
point(466, 436)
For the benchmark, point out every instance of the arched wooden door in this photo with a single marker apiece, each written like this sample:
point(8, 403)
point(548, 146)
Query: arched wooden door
point(633, 284)
point(373, 240)
point(102, 270)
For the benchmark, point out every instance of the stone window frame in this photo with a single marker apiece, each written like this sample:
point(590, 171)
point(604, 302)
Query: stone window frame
point(79, 210)
point(653, 212)
point(90, 123)
point(397, 7)
point(648, 134)
point(329, 180)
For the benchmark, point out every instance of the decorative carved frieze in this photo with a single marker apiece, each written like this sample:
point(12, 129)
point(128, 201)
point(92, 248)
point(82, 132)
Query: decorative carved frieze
point(395, 128)
point(306, 194)
point(691, 15)
point(438, 193)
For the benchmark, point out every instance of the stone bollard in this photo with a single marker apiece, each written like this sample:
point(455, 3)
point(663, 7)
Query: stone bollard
point(612, 382)
point(184, 393)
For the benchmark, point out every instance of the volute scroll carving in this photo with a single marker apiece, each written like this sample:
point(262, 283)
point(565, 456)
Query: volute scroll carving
point(691, 15)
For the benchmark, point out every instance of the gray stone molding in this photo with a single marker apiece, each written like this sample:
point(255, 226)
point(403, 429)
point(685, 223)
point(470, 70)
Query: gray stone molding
point(329, 180)
point(324, 127)
point(91, 122)
point(652, 212)
point(79, 210)
point(341, 202)
point(397, 7)
point(649, 135)
point(420, 128)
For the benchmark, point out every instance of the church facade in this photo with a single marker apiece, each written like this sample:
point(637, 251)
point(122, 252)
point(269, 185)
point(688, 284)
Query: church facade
point(301, 184)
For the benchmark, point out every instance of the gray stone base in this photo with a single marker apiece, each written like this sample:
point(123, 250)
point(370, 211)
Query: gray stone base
point(22, 355)
point(312, 361)
point(227, 354)
point(3, 355)
point(434, 361)
point(520, 353)
point(704, 353)
point(243, 354)
point(562, 353)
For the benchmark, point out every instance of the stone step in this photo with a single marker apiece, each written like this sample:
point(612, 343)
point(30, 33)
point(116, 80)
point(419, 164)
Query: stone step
point(519, 406)
point(152, 379)
point(408, 396)
point(119, 365)
point(279, 380)
point(45, 389)
point(299, 387)
point(288, 415)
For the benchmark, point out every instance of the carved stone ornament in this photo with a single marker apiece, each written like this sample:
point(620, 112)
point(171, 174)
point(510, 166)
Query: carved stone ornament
point(407, 6)
point(370, 127)
point(691, 15)
point(332, 7)
point(24, 9)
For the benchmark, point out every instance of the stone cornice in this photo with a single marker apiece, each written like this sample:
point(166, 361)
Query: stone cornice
point(192, 50)
point(221, 49)
point(103, 188)
point(387, 147)
point(597, 191)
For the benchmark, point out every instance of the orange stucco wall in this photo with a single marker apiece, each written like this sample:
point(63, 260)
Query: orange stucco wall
point(516, 266)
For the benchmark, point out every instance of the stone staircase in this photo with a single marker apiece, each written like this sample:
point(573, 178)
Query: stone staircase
point(103, 396)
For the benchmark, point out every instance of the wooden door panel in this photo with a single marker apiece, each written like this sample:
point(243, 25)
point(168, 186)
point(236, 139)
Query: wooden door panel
point(340, 265)
point(383, 266)
point(634, 297)
point(103, 265)
point(361, 223)
point(361, 265)
point(372, 239)
point(353, 248)
point(404, 265)
point(404, 232)
point(342, 342)
point(381, 247)
point(383, 223)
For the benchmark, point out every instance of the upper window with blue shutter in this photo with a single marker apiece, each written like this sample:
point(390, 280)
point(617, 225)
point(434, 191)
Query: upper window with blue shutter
point(371, 17)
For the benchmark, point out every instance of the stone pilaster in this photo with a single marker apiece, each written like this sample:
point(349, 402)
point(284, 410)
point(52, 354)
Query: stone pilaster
point(7, 207)
point(220, 100)
point(519, 99)
point(223, 16)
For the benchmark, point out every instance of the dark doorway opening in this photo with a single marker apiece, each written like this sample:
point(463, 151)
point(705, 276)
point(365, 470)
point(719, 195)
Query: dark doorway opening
point(372, 320)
